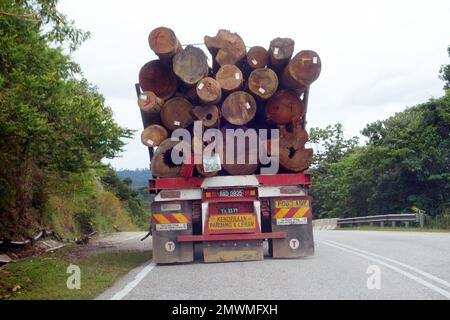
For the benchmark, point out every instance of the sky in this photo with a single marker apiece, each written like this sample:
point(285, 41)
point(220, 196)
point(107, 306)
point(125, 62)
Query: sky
point(378, 57)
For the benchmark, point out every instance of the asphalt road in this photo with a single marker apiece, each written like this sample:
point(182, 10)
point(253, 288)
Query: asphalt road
point(401, 265)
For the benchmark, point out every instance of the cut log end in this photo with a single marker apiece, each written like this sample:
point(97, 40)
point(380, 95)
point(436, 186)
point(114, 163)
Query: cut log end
point(177, 113)
point(162, 165)
point(158, 77)
point(263, 83)
point(226, 48)
point(149, 102)
point(208, 115)
point(153, 135)
point(296, 160)
point(209, 91)
point(164, 43)
point(191, 65)
point(258, 57)
point(303, 70)
point(239, 108)
point(230, 78)
point(284, 107)
point(281, 51)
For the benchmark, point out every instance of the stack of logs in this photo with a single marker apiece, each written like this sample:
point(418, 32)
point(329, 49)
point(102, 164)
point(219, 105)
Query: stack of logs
point(255, 88)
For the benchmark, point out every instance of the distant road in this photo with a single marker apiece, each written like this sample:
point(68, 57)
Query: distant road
point(411, 266)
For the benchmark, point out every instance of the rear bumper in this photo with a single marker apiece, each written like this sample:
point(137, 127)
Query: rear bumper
point(233, 237)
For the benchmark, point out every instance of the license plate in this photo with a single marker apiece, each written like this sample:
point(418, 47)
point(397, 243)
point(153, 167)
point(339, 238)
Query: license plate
point(292, 221)
point(172, 227)
point(287, 204)
point(171, 207)
point(231, 193)
point(228, 210)
point(232, 222)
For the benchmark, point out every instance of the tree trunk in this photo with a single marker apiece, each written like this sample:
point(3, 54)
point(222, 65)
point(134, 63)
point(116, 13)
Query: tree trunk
point(293, 155)
point(230, 78)
point(302, 71)
point(177, 113)
point(208, 115)
point(226, 48)
point(191, 65)
point(153, 135)
point(239, 108)
point(281, 51)
point(162, 165)
point(164, 43)
point(263, 83)
point(158, 77)
point(248, 149)
point(209, 91)
point(284, 107)
point(257, 58)
point(149, 102)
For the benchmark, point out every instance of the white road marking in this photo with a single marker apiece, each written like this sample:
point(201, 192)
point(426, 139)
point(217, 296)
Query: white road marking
point(390, 266)
point(131, 285)
point(404, 265)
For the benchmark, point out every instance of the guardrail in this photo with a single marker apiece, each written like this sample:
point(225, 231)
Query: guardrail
point(406, 219)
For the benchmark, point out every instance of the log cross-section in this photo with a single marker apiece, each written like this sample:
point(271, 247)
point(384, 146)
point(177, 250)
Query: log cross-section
point(281, 51)
point(284, 107)
point(158, 77)
point(230, 78)
point(263, 83)
point(209, 91)
point(164, 43)
point(226, 48)
point(303, 70)
point(239, 108)
point(153, 135)
point(177, 113)
point(191, 65)
point(257, 57)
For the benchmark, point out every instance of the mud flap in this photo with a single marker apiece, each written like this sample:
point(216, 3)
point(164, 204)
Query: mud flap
point(167, 250)
point(293, 217)
point(233, 251)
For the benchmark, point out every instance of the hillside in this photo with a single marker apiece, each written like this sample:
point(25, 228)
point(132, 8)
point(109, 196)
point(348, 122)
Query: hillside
point(139, 177)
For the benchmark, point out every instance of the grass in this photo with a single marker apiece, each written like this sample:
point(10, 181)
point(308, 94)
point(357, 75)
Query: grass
point(45, 277)
point(396, 229)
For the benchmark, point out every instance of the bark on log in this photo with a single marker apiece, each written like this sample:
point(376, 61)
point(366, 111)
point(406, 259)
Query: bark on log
point(230, 78)
point(263, 83)
point(158, 77)
point(208, 115)
point(257, 58)
point(162, 165)
point(284, 107)
point(153, 135)
point(303, 70)
point(281, 51)
point(164, 43)
point(293, 155)
point(209, 91)
point(191, 65)
point(249, 150)
point(226, 48)
point(149, 102)
point(177, 113)
point(239, 108)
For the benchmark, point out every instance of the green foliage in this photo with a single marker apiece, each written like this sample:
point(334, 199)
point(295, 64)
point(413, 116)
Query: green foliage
point(445, 73)
point(52, 121)
point(139, 177)
point(404, 166)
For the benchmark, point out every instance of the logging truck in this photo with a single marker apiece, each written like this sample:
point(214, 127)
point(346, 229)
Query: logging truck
point(224, 200)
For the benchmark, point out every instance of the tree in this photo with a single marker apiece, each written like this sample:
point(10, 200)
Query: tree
point(445, 73)
point(52, 121)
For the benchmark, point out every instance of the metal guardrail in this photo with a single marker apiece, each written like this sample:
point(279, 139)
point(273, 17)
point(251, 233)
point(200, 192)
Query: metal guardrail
point(406, 219)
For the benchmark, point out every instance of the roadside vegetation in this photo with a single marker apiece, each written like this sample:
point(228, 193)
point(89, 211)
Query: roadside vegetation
point(45, 277)
point(403, 167)
point(55, 129)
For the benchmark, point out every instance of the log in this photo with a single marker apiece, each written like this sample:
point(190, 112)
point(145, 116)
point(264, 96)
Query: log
point(158, 77)
point(303, 70)
point(230, 78)
point(177, 113)
point(199, 167)
point(257, 58)
point(191, 65)
point(250, 150)
point(284, 106)
point(153, 135)
point(281, 51)
point(293, 155)
point(208, 115)
point(263, 83)
point(239, 108)
point(149, 102)
point(226, 48)
point(162, 165)
point(164, 43)
point(209, 91)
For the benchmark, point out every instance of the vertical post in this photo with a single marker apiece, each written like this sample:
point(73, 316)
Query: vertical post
point(421, 220)
point(407, 224)
point(394, 224)
point(382, 224)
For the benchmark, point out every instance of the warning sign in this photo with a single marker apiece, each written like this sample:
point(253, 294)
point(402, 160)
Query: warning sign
point(232, 222)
